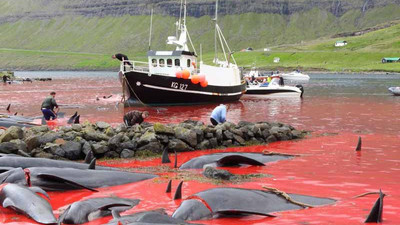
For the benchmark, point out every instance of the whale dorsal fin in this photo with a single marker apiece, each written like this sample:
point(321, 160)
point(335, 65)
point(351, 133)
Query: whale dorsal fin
point(234, 160)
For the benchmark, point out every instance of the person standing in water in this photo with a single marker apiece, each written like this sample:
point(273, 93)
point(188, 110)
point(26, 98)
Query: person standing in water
point(48, 105)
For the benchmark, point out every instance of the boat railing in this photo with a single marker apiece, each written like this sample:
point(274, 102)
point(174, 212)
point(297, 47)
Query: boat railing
point(129, 65)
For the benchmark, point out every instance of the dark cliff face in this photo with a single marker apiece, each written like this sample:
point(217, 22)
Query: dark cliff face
point(196, 8)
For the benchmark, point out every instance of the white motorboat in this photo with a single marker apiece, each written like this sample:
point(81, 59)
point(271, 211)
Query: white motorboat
point(295, 76)
point(274, 87)
point(395, 90)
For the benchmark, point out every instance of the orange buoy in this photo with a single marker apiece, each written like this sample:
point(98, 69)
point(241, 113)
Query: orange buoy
point(185, 74)
point(195, 79)
point(204, 83)
point(202, 77)
point(179, 74)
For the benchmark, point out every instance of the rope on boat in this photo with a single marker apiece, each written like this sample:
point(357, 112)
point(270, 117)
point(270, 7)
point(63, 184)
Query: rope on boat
point(266, 152)
point(367, 193)
point(287, 197)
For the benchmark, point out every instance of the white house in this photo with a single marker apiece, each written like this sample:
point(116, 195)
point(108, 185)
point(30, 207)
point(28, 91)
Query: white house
point(340, 43)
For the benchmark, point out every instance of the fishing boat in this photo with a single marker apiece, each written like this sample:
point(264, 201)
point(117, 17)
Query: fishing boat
point(395, 90)
point(179, 77)
point(275, 86)
point(296, 77)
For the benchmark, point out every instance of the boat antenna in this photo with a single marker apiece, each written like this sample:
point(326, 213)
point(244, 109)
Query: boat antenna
point(180, 16)
point(215, 33)
point(151, 28)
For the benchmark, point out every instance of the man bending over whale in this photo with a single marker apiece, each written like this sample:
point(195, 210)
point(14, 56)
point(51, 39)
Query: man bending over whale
point(48, 106)
point(135, 117)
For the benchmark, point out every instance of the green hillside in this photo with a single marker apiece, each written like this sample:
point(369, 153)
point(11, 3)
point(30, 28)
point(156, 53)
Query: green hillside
point(81, 42)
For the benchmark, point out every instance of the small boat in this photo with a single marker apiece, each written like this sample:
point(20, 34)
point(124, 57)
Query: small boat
point(395, 90)
point(273, 87)
point(178, 77)
point(295, 76)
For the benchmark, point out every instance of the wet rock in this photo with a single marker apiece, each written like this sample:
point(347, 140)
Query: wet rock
point(130, 145)
point(163, 129)
point(39, 129)
point(163, 139)
point(120, 128)
point(32, 142)
point(199, 134)
point(54, 149)
point(147, 138)
point(45, 155)
point(72, 149)
point(208, 135)
point(186, 135)
point(214, 173)
point(126, 153)
point(136, 128)
point(99, 148)
point(111, 154)
point(265, 133)
point(77, 127)
point(245, 123)
point(155, 147)
point(203, 145)
point(228, 135)
point(12, 133)
point(146, 125)
point(239, 139)
point(92, 135)
point(21, 145)
point(178, 146)
point(48, 138)
point(86, 147)
point(297, 134)
point(227, 143)
point(219, 134)
point(213, 142)
point(115, 141)
point(8, 148)
point(109, 132)
point(271, 138)
point(102, 125)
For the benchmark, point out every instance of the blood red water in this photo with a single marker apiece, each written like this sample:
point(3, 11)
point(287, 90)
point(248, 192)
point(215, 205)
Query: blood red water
point(327, 165)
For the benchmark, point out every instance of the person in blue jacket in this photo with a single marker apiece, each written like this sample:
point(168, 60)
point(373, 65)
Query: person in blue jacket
point(218, 115)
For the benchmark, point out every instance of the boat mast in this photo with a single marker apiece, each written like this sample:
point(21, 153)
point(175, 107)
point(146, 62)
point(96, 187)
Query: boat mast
point(151, 28)
point(215, 33)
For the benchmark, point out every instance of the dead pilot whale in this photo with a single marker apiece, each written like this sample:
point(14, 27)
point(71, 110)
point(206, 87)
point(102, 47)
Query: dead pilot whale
point(231, 159)
point(60, 179)
point(25, 200)
point(156, 217)
point(25, 162)
point(93, 208)
point(239, 201)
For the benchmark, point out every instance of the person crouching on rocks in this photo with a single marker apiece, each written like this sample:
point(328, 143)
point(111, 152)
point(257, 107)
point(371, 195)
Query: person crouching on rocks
point(218, 115)
point(135, 117)
point(48, 106)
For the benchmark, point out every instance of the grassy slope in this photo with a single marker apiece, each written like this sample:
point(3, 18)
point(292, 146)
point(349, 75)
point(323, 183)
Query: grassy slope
point(87, 43)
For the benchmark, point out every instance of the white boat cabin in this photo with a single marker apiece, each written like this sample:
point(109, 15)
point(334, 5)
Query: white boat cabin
point(169, 62)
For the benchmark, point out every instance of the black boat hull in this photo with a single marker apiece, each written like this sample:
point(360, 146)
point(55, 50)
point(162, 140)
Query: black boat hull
point(167, 90)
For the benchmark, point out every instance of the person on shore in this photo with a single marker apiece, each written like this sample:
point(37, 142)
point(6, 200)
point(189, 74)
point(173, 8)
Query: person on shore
point(48, 106)
point(123, 58)
point(135, 117)
point(5, 78)
point(218, 115)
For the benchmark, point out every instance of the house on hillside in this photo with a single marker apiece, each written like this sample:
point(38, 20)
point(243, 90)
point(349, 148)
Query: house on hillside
point(340, 43)
point(390, 60)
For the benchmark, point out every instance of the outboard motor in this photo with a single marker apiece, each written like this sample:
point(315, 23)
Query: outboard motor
point(301, 89)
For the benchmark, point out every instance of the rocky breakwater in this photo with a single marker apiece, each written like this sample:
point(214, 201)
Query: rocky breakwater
point(76, 141)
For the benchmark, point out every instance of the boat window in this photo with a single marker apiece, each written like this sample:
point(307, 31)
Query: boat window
point(188, 63)
point(177, 62)
point(154, 62)
point(161, 62)
point(169, 62)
